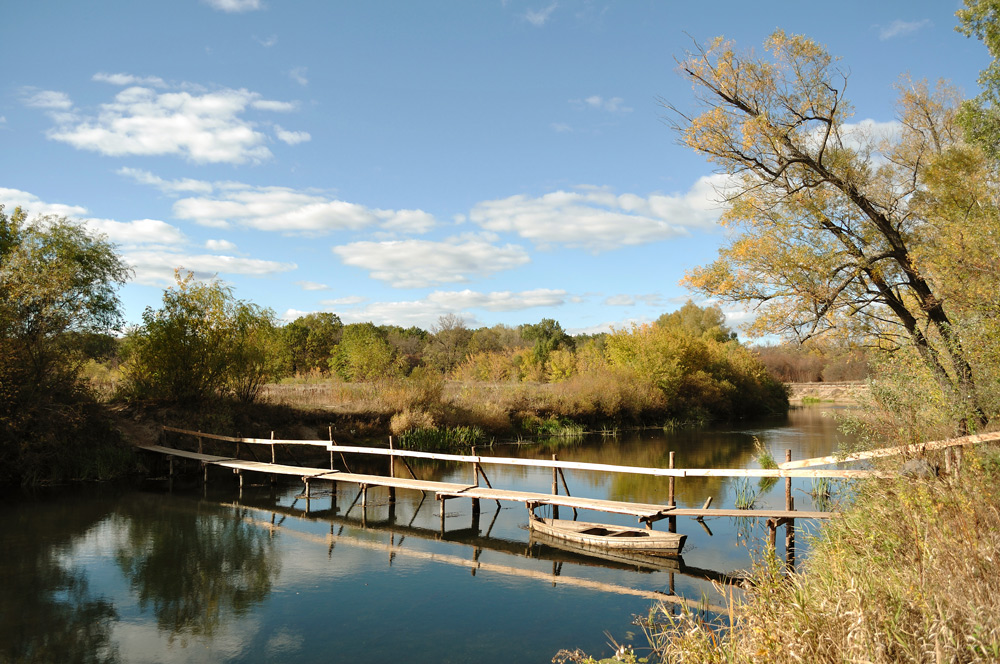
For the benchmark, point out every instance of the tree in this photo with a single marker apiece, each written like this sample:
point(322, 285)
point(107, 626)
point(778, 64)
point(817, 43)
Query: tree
point(449, 345)
point(827, 229)
point(364, 354)
point(980, 117)
point(309, 341)
point(202, 343)
point(57, 282)
point(699, 321)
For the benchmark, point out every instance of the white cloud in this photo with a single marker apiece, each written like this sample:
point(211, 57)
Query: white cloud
point(421, 263)
point(274, 105)
point(899, 28)
point(204, 128)
point(598, 220)
point(48, 99)
point(123, 80)
point(540, 17)
point(611, 105)
point(166, 186)
point(497, 301)
point(350, 300)
point(219, 245)
point(12, 198)
point(299, 76)
point(626, 300)
point(292, 211)
point(156, 268)
point(138, 232)
point(311, 286)
point(292, 137)
point(267, 42)
point(235, 6)
point(426, 312)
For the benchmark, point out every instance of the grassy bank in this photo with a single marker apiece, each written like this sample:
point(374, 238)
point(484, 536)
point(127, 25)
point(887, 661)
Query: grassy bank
point(909, 574)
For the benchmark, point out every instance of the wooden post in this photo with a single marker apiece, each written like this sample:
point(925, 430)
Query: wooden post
point(790, 541)
point(200, 445)
point(788, 483)
point(555, 487)
point(331, 442)
point(392, 473)
point(772, 529)
point(273, 457)
point(671, 496)
point(670, 484)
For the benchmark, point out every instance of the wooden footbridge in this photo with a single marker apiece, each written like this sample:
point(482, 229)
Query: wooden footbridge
point(480, 488)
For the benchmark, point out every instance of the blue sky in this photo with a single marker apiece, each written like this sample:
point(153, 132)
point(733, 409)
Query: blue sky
point(398, 161)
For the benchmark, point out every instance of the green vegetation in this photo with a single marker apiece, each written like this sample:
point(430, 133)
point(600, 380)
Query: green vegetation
point(57, 290)
point(202, 343)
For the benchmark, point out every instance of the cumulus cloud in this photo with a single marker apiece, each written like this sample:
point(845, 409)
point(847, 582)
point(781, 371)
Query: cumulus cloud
point(626, 300)
point(426, 312)
point(166, 186)
point(123, 80)
point(205, 127)
point(219, 245)
point(48, 99)
point(898, 28)
point(156, 268)
point(153, 248)
point(598, 220)
point(12, 198)
point(311, 286)
point(235, 6)
point(422, 263)
point(291, 137)
point(292, 211)
point(137, 233)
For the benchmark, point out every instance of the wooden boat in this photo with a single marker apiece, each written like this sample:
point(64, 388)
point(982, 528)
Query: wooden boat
point(637, 560)
point(604, 536)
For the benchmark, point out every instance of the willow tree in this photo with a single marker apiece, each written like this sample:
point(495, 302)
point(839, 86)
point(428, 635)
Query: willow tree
point(826, 219)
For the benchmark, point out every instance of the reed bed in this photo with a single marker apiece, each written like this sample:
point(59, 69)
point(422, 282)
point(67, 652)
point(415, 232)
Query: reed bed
point(909, 574)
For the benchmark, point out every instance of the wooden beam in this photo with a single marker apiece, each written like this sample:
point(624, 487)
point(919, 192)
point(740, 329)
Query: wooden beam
point(915, 449)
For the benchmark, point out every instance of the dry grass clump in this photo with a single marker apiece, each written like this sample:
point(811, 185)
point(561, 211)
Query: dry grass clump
point(909, 574)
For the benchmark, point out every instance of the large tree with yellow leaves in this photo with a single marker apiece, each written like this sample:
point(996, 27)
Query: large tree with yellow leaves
point(838, 226)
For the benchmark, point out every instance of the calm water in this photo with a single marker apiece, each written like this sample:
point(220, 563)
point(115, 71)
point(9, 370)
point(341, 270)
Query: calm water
point(213, 575)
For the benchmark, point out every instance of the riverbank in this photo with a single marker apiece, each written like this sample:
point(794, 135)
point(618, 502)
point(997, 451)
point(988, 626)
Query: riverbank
point(846, 393)
point(907, 575)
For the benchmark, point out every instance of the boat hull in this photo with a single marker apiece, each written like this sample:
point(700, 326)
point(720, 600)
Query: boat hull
point(609, 537)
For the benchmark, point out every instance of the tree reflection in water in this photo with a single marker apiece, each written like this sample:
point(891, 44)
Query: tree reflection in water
point(48, 611)
point(197, 568)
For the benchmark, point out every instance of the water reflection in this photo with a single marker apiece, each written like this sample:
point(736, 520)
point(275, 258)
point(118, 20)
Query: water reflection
point(41, 589)
point(195, 565)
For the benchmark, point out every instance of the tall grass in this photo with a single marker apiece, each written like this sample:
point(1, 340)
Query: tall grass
point(909, 574)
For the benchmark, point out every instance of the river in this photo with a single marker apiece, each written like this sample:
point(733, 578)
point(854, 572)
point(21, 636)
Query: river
point(152, 573)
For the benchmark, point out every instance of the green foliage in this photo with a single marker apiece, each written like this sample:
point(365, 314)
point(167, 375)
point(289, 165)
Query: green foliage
point(697, 321)
point(979, 117)
point(364, 354)
point(701, 377)
point(202, 343)
point(308, 342)
point(444, 439)
point(448, 346)
point(58, 284)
